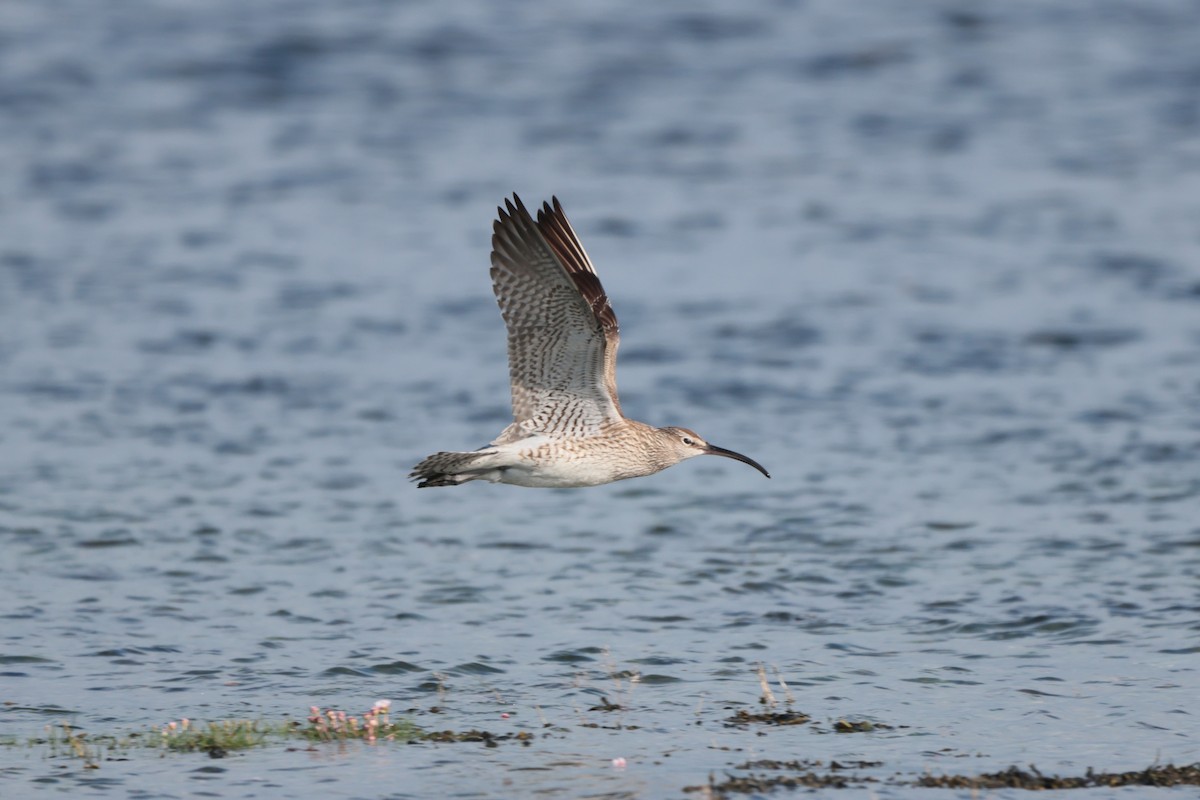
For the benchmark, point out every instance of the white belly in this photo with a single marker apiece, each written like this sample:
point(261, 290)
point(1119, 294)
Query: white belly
point(558, 476)
point(543, 464)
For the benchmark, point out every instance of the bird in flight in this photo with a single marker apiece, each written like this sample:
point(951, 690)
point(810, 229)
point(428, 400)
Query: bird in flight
point(567, 428)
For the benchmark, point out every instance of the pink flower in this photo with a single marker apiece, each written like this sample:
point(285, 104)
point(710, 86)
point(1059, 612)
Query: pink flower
point(504, 715)
point(383, 706)
point(619, 763)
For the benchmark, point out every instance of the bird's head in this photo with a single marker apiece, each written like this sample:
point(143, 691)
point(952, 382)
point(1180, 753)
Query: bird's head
point(686, 443)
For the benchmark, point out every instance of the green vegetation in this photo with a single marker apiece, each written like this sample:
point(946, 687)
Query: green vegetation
point(230, 734)
point(219, 738)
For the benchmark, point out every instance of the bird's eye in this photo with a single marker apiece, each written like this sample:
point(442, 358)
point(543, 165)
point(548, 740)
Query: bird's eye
point(688, 440)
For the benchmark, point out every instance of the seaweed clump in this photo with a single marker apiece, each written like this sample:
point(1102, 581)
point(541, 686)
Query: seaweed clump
point(1033, 779)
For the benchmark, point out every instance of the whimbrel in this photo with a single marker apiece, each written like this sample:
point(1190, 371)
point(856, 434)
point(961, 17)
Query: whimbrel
point(567, 429)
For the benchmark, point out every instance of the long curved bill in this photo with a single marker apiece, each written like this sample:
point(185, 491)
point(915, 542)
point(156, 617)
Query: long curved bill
point(713, 450)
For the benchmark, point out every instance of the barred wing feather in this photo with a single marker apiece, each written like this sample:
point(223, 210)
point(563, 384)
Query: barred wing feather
point(562, 332)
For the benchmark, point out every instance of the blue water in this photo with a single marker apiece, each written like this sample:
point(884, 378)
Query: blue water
point(934, 265)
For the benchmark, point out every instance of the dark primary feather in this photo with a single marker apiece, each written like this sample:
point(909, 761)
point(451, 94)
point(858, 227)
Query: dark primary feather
point(553, 224)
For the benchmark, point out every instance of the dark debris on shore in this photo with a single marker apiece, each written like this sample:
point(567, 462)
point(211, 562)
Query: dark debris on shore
point(488, 739)
point(806, 775)
point(745, 718)
point(1033, 779)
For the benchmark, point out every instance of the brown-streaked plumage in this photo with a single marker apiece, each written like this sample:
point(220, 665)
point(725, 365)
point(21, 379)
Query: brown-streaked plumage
point(567, 429)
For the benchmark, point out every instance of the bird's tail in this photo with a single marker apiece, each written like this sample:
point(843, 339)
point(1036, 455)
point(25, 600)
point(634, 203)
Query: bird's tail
point(451, 469)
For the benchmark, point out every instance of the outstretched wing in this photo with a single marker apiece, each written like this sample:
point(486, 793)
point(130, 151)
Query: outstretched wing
point(562, 332)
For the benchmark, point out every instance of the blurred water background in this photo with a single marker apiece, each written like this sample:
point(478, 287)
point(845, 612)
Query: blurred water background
point(934, 264)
